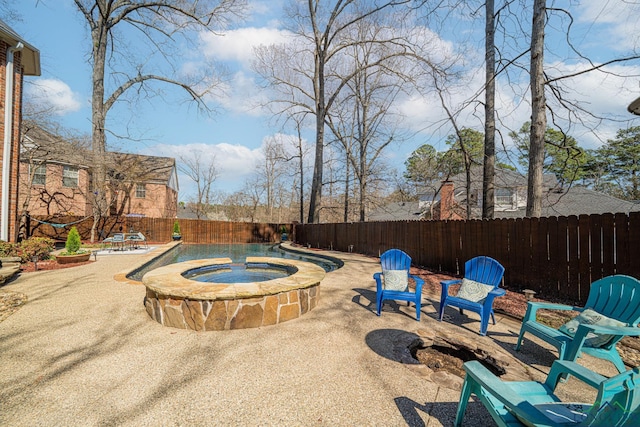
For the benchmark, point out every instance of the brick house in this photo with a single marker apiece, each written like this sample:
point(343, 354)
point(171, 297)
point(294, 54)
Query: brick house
point(17, 59)
point(55, 179)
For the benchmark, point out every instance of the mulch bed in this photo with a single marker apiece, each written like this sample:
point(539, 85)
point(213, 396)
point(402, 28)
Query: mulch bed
point(29, 267)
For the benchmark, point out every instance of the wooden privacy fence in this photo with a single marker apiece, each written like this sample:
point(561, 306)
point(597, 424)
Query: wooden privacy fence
point(558, 257)
point(160, 229)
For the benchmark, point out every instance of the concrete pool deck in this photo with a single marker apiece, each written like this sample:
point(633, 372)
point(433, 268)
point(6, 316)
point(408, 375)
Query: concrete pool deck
point(84, 352)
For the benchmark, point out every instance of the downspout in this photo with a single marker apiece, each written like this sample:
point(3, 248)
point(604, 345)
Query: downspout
point(8, 132)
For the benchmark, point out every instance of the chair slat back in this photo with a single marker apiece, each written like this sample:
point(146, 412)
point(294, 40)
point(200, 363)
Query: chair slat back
point(485, 270)
point(617, 297)
point(395, 259)
point(618, 401)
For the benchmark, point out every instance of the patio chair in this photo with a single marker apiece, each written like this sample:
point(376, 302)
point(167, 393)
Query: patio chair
point(532, 403)
point(480, 286)
point(393, 282)
point(117, 242)
point(612, 312)
point(137, 240)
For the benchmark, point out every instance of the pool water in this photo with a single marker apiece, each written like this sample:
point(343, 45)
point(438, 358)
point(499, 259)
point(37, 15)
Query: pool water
point(237, 252)
point(236, 273)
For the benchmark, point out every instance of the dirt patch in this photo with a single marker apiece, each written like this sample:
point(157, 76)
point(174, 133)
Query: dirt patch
point(10, 302)
point(447, 351)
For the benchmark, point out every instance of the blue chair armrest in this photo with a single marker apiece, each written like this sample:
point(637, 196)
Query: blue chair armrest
point(488, 301)
point(497, 292)
point(419, 283)
point(446, 283)
point(560, 368)
point(378, 278)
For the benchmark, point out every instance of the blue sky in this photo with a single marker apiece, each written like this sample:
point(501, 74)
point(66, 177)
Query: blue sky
point(236, 134)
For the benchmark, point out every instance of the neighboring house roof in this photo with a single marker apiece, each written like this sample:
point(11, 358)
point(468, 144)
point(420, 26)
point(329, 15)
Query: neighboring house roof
point(577, 200)
point(147, 168)
point(42, 145)
point(504, 178)
point(397, 211)
point(30, 56)
point(186, 212)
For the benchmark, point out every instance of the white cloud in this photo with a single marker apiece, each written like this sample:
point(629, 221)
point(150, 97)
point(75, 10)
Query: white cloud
point(53, 94)
point(243, 96)
point(234, 163)
point(237, 45)
point(619, 19)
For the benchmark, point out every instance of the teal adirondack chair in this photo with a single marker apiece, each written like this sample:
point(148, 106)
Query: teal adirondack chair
point(616, 297)
point(531, 403)
point(395, 268)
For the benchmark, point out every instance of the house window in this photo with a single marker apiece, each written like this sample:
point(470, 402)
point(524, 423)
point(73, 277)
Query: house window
point(70, 176)
point(39, 175)
point(504, 197)
point(141, 191)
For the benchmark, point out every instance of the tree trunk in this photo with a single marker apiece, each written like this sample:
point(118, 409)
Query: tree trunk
point(315, 199)
point(346, 190)
point(98, 118)
point(488, 200)
point(538, 112)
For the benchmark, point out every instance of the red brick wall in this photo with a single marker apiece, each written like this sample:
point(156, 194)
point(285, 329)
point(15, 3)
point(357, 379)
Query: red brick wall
point(53, 198)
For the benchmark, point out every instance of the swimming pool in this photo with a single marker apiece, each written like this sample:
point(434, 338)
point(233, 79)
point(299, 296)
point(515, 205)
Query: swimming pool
point(237, 252)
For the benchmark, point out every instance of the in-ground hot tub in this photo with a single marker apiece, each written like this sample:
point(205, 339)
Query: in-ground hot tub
point(177, 301)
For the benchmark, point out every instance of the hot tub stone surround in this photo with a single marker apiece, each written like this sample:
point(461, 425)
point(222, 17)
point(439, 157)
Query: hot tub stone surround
point(175, 301)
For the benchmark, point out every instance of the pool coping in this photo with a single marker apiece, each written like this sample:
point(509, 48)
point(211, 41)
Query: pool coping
point(148, 258)
point(169, 281)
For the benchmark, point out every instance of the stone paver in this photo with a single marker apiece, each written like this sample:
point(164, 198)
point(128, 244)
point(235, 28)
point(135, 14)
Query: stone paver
point(83, 351)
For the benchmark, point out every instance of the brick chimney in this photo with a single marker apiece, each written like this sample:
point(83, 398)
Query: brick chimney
point(446, 200)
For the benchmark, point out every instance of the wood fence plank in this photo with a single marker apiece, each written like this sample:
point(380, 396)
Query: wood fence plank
point(595, 248)
point(572, 291)
point(557, 258)
point(608, 244)
point(584, 236)
point(622, 244)
point(535, 276)
point(634, 244)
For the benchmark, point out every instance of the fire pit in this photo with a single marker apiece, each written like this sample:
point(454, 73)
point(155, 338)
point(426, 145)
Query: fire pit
point(443, 354)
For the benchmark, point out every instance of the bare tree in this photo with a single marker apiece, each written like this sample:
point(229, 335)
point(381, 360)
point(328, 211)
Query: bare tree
point(362, 119)
point(298, 153)
point(303, 72)
point(202, 170)
point(159, 23)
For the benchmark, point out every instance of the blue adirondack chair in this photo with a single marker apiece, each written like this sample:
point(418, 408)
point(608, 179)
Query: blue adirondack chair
point(396, 263)
point(532, 403)
point(481, 270)
point(616, 297)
